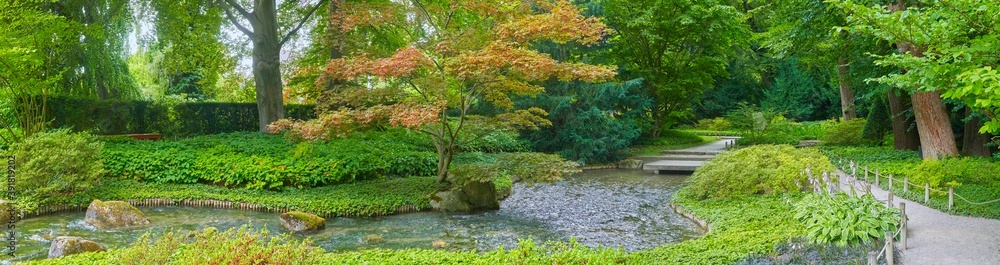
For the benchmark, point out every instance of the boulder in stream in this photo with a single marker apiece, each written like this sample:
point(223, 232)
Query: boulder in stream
point(69, 245)
point(5, 213)
point(473, 196)
point(301, 222)
point(114, 215)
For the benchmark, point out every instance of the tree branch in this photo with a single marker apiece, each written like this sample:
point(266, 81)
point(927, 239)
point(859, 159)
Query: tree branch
point(233, 19)
point(288, 35)
point(239, 8)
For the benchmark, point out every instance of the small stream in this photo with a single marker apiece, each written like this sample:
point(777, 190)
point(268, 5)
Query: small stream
point(616, 208)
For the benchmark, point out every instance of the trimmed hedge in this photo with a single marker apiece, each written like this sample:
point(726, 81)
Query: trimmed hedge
point(184, 119)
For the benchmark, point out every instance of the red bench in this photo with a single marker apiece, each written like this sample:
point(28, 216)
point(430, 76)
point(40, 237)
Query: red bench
point(140, 136)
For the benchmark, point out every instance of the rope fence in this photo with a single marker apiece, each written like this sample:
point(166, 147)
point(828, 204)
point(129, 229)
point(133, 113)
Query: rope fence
point(848, 165)
point(850, 168)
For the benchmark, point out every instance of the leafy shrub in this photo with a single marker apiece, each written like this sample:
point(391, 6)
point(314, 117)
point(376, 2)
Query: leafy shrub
point(715, 124)
point(844, 219)
point(259, 161)
point(55, 164)
point(758, 126)
point(755, 170)
point(879, 122)
point(847, 133)
point(811, 130)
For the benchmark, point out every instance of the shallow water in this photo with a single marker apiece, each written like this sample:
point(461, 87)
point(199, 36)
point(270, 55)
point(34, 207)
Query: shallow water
point(616, 208)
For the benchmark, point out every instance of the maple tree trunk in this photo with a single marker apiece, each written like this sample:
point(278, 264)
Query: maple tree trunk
point(333, 37)
point(266, 63)
point(973, 142)
point(902, 137)
point(936, 138)
point(847, 105)
point(445, 155)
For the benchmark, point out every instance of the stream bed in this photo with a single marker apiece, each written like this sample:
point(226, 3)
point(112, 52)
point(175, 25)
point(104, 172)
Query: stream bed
point(612, 208)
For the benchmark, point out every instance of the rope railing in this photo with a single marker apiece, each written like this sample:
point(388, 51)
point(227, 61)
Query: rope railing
point(853, 168)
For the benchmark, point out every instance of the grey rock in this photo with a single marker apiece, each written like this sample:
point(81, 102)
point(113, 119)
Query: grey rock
point(114, 215)
point(69, 245)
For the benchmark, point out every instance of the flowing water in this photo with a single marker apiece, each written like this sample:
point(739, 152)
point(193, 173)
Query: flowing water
point(616, 208)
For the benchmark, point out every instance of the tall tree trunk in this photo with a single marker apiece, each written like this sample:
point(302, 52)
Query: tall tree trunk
point(847, 106)
point(267, 63)
point(973, 142)
point(333, 36)
point(902, 136)
point(937, 140)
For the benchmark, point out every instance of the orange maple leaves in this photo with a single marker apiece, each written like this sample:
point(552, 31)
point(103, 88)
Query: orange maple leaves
point(406, 61)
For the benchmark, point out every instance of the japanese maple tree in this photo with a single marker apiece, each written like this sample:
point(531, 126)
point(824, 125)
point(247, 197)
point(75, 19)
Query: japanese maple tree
point(462, 53)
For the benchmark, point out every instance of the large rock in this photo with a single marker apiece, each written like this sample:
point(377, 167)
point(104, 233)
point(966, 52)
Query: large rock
point(473, 196)
point(5, 213)
point(302, 222)
point(69, 245)
point(114, 215)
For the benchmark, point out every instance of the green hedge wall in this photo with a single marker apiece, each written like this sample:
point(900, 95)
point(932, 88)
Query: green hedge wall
point(184, 119)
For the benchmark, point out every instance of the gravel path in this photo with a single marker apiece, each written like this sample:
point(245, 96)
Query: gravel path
point(935, 237)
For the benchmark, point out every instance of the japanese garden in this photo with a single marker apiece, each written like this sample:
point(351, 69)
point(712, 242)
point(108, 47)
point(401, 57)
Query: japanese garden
point(500, 131)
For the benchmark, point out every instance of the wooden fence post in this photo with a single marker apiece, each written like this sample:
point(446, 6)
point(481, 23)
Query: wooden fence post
point(951, 197)
point(888, 248)
point(906, 184)
point(890, 181)
point(927, 192)
point(889, 202)
point(902, 220)
point(872, 258)
point(866, 173)
point(877, 177)
point(854, 169)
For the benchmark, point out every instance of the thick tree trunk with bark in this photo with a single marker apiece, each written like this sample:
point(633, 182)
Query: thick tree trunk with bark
point(902, 137)
point(267, 63)
point(934, 126)
point(267, 44)
point(847, 106)
point(973, 142)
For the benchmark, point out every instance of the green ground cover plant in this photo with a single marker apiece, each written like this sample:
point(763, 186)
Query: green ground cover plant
point(669, 140)
point(259, 161)
point(364, 198)
point(974, 178)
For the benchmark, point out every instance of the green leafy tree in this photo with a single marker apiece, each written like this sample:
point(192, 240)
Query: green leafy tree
point(943, 46)
point(678, 47)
